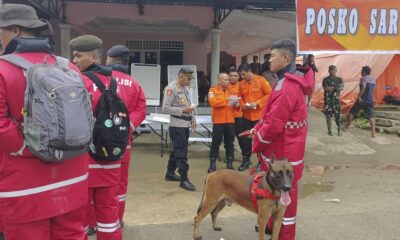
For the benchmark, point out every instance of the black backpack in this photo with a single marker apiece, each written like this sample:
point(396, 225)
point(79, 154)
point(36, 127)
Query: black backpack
point(111, 128)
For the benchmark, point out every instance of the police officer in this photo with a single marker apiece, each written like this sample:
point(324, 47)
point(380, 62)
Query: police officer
point(332, 86)
point(222, 102)
point(177, 103)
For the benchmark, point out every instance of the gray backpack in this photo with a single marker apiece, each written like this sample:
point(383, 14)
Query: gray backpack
point(58, 116)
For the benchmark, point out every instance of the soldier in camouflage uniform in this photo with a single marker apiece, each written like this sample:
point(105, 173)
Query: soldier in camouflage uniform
point(332, 86)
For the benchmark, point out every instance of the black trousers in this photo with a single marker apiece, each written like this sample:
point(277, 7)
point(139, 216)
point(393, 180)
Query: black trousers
point(178, 157)
point(224, 131)
point(247, 124)
point(239, 130)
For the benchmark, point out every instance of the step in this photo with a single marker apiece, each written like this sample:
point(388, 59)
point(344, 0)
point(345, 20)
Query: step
point(388, 115)
point(384, 122)
point(387, 108)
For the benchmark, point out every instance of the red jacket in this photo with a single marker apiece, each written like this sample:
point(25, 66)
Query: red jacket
point(30, 188)
point(101, 173)
point(133, 96)
point(283, 128)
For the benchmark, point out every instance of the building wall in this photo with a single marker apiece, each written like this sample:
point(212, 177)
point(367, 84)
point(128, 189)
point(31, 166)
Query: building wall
point(195, 46)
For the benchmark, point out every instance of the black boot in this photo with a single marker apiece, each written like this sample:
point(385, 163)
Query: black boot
point(329, 125)
point(171, 176)
point(245, 163)
point(213, 166)
point(187, 185)
point(229, 163)
point(268, 230)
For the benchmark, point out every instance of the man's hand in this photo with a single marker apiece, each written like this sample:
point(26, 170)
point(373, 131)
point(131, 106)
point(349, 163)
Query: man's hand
point(253, 105)
point(194, 125)
point(188, 110)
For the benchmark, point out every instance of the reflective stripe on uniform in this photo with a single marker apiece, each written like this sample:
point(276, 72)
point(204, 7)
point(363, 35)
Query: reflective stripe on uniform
point(261, 139)
point(44, 188)
point(111, 166)
point(297, 163)
point(122, 198)
point(289, 221)
point(108, 227)
point(293, 125)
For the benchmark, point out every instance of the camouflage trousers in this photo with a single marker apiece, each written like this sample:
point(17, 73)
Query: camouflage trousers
point(332, 109)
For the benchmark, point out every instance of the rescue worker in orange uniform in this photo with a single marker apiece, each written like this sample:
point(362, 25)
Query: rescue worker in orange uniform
point(237, 111)
point(254, 92)
point(222, 103)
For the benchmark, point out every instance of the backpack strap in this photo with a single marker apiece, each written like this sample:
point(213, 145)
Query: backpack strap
point(95, 79)
point(17, 61)
point(113, 85)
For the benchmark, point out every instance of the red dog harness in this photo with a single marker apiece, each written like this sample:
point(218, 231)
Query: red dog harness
point(257, 192)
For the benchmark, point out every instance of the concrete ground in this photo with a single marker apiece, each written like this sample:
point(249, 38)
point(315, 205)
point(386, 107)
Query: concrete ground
point(350, 190)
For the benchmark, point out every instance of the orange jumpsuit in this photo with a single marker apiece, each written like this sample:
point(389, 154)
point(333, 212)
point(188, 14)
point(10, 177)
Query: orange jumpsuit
point(257, 90)
point(223, 123)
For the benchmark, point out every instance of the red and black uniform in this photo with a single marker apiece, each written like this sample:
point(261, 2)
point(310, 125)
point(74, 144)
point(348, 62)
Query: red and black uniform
point(38, 200)
point(282, 131)
point(104, 176)
point(132, 94)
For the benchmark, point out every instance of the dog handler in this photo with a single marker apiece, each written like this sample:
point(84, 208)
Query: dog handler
point(283, 128)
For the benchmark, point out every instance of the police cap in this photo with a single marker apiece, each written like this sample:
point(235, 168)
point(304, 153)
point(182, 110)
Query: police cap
point(187, 72)
point(85, 43)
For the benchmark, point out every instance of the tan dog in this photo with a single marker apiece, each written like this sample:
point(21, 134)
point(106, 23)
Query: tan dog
point(225, 186)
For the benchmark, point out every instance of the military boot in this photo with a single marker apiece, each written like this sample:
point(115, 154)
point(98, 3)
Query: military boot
point(339, 131)
point(171, 176)
point(329, 125)
point(186, 184)
point(245, 163)
point(229, 163)
point(213, 166)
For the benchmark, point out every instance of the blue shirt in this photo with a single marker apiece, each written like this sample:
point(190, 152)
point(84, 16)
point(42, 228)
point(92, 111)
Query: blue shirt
point(368, 95)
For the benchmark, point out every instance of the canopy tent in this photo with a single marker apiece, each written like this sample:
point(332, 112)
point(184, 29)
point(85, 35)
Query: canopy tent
point(385, 68)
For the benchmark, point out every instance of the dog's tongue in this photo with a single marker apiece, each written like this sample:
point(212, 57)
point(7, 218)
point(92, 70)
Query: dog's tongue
point(285, 199)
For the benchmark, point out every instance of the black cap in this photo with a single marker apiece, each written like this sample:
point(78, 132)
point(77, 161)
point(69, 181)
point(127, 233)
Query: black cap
point(119, 51)
point(332, 67)
point(186, 70)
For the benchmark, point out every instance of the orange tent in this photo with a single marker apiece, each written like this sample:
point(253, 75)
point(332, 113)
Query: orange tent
point(385, 68)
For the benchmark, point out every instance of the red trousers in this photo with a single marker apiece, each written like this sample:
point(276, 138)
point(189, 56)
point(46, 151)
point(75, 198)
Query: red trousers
point(288, 229)
point(123, 184)
point(68, 226)
point(105, 202)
